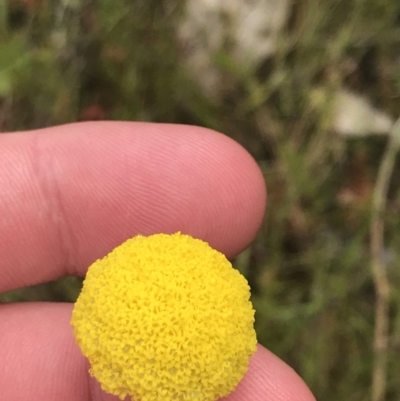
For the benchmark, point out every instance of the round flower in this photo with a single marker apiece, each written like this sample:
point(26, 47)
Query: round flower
point(165, 317)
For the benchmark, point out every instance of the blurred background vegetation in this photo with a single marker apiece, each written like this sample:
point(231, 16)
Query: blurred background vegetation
point(310, 266)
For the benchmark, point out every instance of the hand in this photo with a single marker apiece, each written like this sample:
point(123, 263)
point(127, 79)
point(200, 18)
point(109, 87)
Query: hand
point(70, 194)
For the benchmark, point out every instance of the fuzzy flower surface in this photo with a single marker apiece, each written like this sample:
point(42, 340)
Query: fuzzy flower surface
point(165, 317)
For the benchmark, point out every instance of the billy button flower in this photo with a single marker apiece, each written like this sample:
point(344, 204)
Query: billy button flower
point(165, 317)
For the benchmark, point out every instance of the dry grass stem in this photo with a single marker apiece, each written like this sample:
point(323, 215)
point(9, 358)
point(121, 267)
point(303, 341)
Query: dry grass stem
point(378, 266)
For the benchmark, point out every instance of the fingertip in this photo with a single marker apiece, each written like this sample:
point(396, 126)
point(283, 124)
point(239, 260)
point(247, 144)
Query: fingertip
point(209, 186)
point(269, 378)
point(235, 190)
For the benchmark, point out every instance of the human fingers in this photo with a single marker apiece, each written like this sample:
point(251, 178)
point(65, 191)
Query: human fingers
point(70, 194)
point(40, 361)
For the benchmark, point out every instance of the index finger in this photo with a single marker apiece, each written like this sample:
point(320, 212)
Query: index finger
point(70, 194)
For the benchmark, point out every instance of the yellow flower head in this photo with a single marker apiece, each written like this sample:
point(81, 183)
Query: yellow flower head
point(165, 317)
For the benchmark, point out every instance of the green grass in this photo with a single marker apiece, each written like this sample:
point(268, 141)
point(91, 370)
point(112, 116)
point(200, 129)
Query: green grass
point(309, 266)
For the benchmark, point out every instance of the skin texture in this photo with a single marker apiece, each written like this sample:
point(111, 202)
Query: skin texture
point(70, 194)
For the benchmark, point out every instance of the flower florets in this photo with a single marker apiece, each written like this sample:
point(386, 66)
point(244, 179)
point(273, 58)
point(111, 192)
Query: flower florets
point(165, 317)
